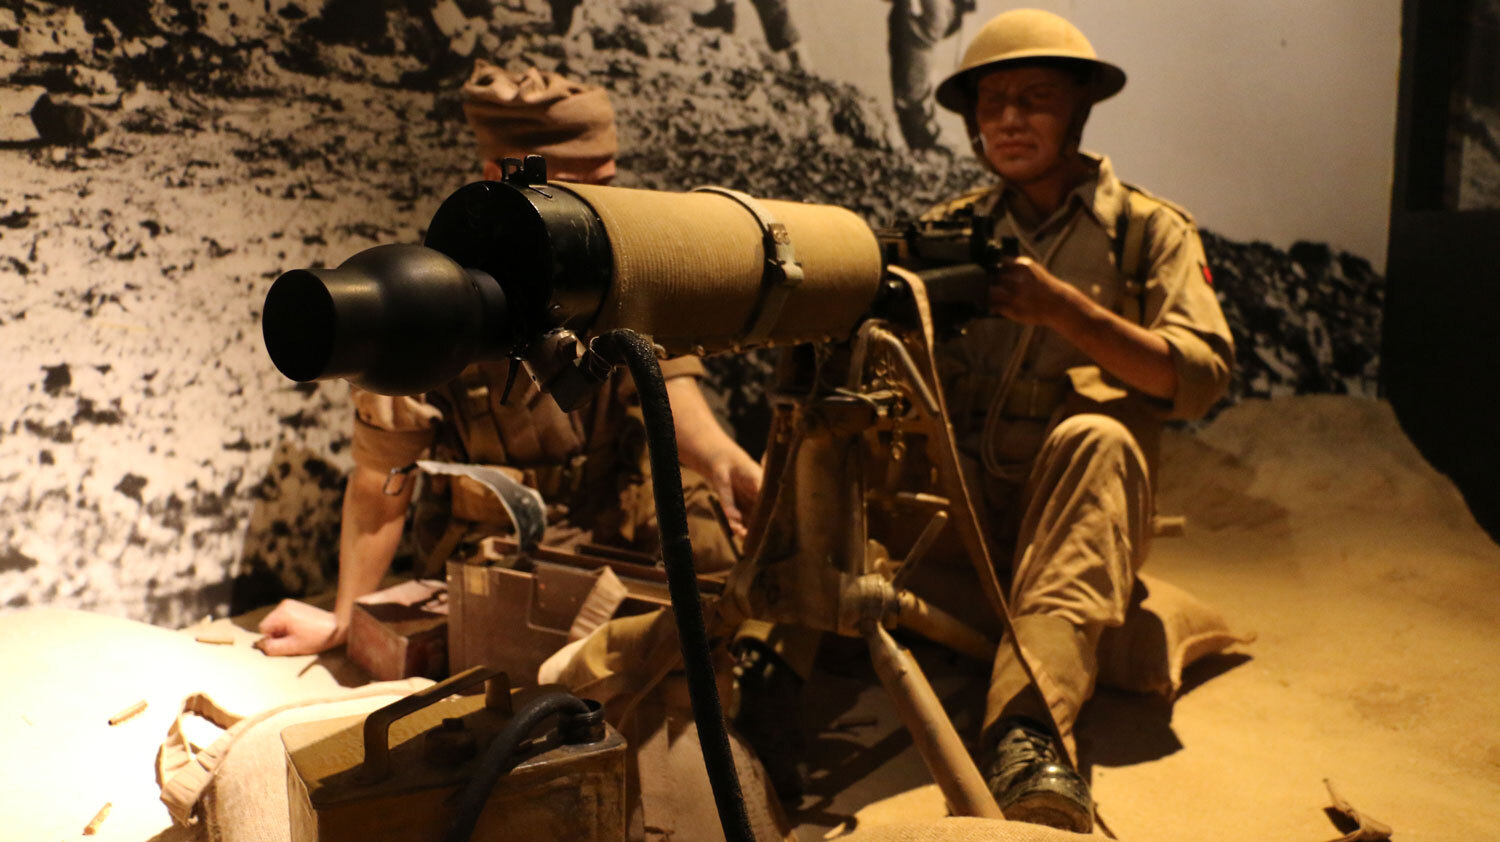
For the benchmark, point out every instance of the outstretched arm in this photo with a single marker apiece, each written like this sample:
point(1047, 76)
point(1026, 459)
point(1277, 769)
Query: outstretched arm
point(368, 537)
point(704, 447)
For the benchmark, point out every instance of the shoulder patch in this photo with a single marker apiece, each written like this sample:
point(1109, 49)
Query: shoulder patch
point(1175, 208)
point(953, 206)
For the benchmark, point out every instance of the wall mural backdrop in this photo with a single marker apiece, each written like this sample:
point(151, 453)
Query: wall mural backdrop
point(1474, 129)
point(164, 160)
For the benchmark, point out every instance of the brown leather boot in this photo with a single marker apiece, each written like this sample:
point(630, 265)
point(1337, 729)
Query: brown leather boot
point(1032, 784)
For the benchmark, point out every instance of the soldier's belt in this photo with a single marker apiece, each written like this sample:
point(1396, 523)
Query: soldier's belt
point(1035, 398)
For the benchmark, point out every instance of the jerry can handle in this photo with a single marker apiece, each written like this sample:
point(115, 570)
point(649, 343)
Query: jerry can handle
point(377, 765)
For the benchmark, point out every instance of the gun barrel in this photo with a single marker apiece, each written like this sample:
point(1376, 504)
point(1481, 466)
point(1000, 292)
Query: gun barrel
point(505, 263)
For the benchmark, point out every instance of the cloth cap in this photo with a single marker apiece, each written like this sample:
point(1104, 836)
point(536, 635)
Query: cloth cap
point(538, 112)
point(1027, 35)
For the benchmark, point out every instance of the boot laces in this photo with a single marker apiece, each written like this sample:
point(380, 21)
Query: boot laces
point(1022, 749)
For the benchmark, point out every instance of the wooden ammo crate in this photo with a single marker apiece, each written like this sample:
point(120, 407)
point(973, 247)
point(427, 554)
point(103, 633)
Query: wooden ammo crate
point(512, 618)
point(402, 631)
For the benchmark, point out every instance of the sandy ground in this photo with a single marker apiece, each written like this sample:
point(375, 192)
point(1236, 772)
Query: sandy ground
point(1315, 523)
point(1312, 521)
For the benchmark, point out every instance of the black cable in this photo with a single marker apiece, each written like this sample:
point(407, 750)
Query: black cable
point(500, 757)
point(632, 349)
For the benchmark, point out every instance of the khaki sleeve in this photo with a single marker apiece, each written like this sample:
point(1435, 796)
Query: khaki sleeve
point(685, 366)
point(390, 432)
point(1183, 309)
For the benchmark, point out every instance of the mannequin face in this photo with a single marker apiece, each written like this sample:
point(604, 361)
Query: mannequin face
point(1024, 115)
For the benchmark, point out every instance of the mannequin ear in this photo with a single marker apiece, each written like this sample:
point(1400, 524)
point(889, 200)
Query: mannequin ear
point(1075, 127)
point(491, 170)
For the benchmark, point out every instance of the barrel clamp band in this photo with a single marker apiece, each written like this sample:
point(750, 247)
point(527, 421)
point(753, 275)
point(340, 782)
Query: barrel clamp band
point(783, 272)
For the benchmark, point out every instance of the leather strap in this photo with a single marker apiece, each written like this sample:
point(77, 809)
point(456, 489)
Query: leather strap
point(783, 273)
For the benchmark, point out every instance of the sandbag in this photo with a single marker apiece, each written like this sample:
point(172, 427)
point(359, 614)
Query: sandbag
point(632, 665)
point(921, 815)
point(1166, 629)
point(962, 829)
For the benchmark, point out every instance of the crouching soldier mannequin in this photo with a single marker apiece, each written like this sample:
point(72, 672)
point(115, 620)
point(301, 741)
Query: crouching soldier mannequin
point(1111, 326)
point(588, 464)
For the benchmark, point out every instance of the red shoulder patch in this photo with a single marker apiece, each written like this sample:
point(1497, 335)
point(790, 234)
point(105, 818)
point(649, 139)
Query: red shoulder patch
point(1208, 277)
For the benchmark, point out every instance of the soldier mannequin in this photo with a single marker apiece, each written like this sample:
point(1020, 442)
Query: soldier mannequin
point(1062, 449)
point(573, 126)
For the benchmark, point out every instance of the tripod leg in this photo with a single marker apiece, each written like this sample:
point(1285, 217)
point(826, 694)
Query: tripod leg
point(923, 715)
point(939, 626)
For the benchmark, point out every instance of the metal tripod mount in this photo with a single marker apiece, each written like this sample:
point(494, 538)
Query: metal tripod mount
point(836, 450)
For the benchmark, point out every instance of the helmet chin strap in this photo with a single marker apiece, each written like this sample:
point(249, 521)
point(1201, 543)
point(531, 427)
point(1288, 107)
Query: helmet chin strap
point(976, 142)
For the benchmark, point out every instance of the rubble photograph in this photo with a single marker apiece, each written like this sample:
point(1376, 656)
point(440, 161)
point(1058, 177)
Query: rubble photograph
point(770, 405)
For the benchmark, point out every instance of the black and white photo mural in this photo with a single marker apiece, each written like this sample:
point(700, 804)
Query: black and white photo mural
point(1474, 133)
point(164, 160)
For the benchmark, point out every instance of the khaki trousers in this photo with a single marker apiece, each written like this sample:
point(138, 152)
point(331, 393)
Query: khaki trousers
point(1084, 528)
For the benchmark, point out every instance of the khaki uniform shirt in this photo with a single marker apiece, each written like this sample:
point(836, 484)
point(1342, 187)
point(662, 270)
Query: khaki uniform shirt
point(1078, 244)
point(392, 432)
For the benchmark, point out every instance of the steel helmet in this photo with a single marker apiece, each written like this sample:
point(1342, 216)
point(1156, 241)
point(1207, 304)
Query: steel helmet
point(1023, 34)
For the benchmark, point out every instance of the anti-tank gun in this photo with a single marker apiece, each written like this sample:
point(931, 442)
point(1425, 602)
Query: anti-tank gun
point(571, 280)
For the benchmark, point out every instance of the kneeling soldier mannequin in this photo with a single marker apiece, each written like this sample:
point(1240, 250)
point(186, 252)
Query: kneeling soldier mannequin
point(588, 464)
point(1113, 327)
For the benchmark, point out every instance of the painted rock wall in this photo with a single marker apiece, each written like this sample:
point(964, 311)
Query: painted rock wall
point(164, 160)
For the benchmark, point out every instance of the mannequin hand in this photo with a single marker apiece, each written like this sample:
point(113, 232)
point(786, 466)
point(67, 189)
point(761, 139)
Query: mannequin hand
point(735, 478)
point(296, 628)
point(1024, 291)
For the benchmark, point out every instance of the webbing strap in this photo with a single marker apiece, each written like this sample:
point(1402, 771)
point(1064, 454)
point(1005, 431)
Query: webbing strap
point(783, 273)
point(478, 428)
point(1131, 240)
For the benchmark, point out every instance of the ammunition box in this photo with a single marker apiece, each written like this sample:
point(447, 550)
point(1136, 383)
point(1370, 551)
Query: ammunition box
point(562, 792)
point(511, 618)
point(402, 631)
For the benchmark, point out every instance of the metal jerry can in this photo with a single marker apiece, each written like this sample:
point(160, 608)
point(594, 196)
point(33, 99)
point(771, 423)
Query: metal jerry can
point(395, 774)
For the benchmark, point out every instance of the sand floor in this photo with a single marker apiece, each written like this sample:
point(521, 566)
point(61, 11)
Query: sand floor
point(1313, 522)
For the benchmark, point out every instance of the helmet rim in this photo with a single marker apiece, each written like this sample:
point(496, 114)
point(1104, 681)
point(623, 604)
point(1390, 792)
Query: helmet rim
point(1023, 35)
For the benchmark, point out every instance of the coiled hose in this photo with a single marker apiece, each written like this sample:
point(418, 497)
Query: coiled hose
point(501, 757)
point(637, 354)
